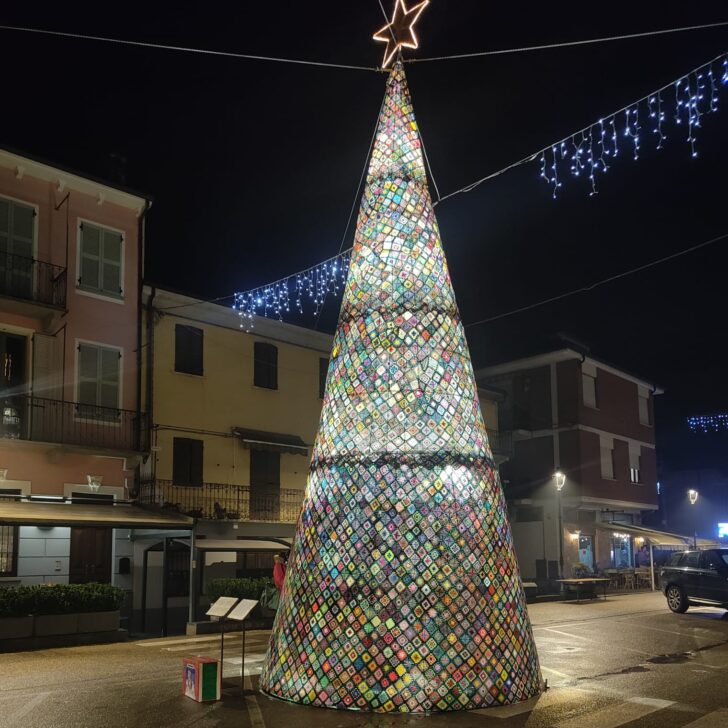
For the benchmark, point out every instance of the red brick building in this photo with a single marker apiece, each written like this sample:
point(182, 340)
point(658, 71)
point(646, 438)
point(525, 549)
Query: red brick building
point(592, 422)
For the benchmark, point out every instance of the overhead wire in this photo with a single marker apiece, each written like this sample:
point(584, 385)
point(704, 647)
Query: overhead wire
point(596, 284)
point(467, 188)
point(187, 49)
point(356, 199)
point(567, 44)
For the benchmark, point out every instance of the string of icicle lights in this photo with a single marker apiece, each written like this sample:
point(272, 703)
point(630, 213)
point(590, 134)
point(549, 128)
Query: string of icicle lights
point(679, 107)
point(708, 423)
point(307, 287)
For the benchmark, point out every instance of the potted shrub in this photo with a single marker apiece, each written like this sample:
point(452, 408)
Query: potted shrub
point(16, 607)
point(53, 607)
point(58, 609)
point(99, 607)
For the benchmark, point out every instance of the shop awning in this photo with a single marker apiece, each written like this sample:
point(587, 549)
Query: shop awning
point(242, 544)
point(660, 539)
point(28, 513)
point(275, 441)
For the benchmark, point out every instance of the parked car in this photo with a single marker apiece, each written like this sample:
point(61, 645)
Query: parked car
point(697, 578)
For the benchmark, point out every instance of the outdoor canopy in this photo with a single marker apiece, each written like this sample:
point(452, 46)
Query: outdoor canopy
point(659, 539)
point(33, 513)
point(273, 441)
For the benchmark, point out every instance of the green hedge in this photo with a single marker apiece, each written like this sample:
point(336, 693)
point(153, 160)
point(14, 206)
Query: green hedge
point(246, 588)
point(22, 601)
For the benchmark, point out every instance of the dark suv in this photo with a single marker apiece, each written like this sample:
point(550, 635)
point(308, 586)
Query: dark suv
point(696, 577)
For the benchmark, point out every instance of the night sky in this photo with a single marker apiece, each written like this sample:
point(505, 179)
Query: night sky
point(253, 166)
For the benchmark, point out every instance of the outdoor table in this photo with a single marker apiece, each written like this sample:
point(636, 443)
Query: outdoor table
point(578, 583)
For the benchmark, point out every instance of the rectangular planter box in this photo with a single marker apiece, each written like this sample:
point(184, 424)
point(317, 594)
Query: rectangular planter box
point(98, 622)
point(52, 624)
point(16, 627)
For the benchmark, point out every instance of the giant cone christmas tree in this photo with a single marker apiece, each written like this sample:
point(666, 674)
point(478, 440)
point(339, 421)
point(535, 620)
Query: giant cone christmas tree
point(403, 592)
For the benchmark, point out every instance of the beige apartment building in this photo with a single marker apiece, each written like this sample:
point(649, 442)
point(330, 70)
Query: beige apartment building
point(234, 416)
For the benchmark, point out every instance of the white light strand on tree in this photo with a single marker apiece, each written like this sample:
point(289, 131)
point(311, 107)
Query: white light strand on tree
point(309, 286)
point(591, 150)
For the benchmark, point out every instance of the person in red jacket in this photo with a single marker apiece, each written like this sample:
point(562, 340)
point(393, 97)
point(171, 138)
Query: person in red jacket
point(279, 571)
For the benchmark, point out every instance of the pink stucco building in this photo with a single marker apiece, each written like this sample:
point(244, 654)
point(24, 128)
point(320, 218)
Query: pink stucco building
point(70, 275)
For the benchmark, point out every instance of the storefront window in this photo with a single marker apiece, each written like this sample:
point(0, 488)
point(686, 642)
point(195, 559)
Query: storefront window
point(622, 554)
point(586, 551)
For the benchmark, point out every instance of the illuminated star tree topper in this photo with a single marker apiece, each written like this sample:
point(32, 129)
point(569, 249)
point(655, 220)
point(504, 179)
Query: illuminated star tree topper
point(400, 31)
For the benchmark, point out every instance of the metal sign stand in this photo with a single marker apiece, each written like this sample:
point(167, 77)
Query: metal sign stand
point(240, 614)
point(221, 609)
point(242, 663)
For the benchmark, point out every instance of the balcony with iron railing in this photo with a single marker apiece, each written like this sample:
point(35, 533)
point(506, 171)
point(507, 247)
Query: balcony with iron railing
point(223, 502)
point(501, 444)
point(38, 419)
point(31, 286)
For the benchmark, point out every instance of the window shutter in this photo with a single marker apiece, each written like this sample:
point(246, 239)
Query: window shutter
point(196, 462)
point(180, 461)
point(265, 468)
point(589, 385)
point(257, 469)
point(606, 445)
point(47, 366)
point(187, 461)
point(643, 398)
point(188, 349)
point(90, 257)
point(22, 230)
point(88, 367)
point(111, 262)
point(109, 378)
point(265, 365)
point(323, 372)
point(634, 455)
point(4, 224)
point(274, 468)
point(607, 464)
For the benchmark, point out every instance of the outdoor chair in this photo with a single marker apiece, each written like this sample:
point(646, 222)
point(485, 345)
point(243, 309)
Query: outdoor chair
point(615, 579)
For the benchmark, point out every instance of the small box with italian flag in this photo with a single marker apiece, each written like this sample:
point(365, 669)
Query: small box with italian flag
point(201, 678)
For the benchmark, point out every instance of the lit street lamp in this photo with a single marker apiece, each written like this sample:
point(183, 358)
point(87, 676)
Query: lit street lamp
point(559, 481)
point(693, 497)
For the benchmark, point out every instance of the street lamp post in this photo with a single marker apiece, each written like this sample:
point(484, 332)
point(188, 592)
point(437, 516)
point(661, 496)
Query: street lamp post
point(559, 481)
point(693, 497)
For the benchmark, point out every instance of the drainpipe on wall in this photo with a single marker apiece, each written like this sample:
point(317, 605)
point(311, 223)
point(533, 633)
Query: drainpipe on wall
point(140, 279)
point(150, 372)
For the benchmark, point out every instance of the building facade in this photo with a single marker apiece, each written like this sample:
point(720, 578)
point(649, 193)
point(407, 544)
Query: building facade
point(571, 414)
point(234, 415)
point(70, 283)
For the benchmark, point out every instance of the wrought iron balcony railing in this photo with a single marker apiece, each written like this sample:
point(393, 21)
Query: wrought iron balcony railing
point(32, 280)
point(26, 417)
point(501, 442)
point(223, 502)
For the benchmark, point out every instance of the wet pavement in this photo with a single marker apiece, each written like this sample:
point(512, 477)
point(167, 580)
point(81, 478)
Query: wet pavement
point(624, 662)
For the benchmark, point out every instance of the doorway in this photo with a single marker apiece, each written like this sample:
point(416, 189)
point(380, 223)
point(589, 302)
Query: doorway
point(90, 556)
point(13, 350)
point(90, 547)
point(265, 485)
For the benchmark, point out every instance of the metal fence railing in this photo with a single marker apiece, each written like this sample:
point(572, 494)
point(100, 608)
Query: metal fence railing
point(26, 417)
point(501, 442)
point(32, 280)
point(220, 501)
